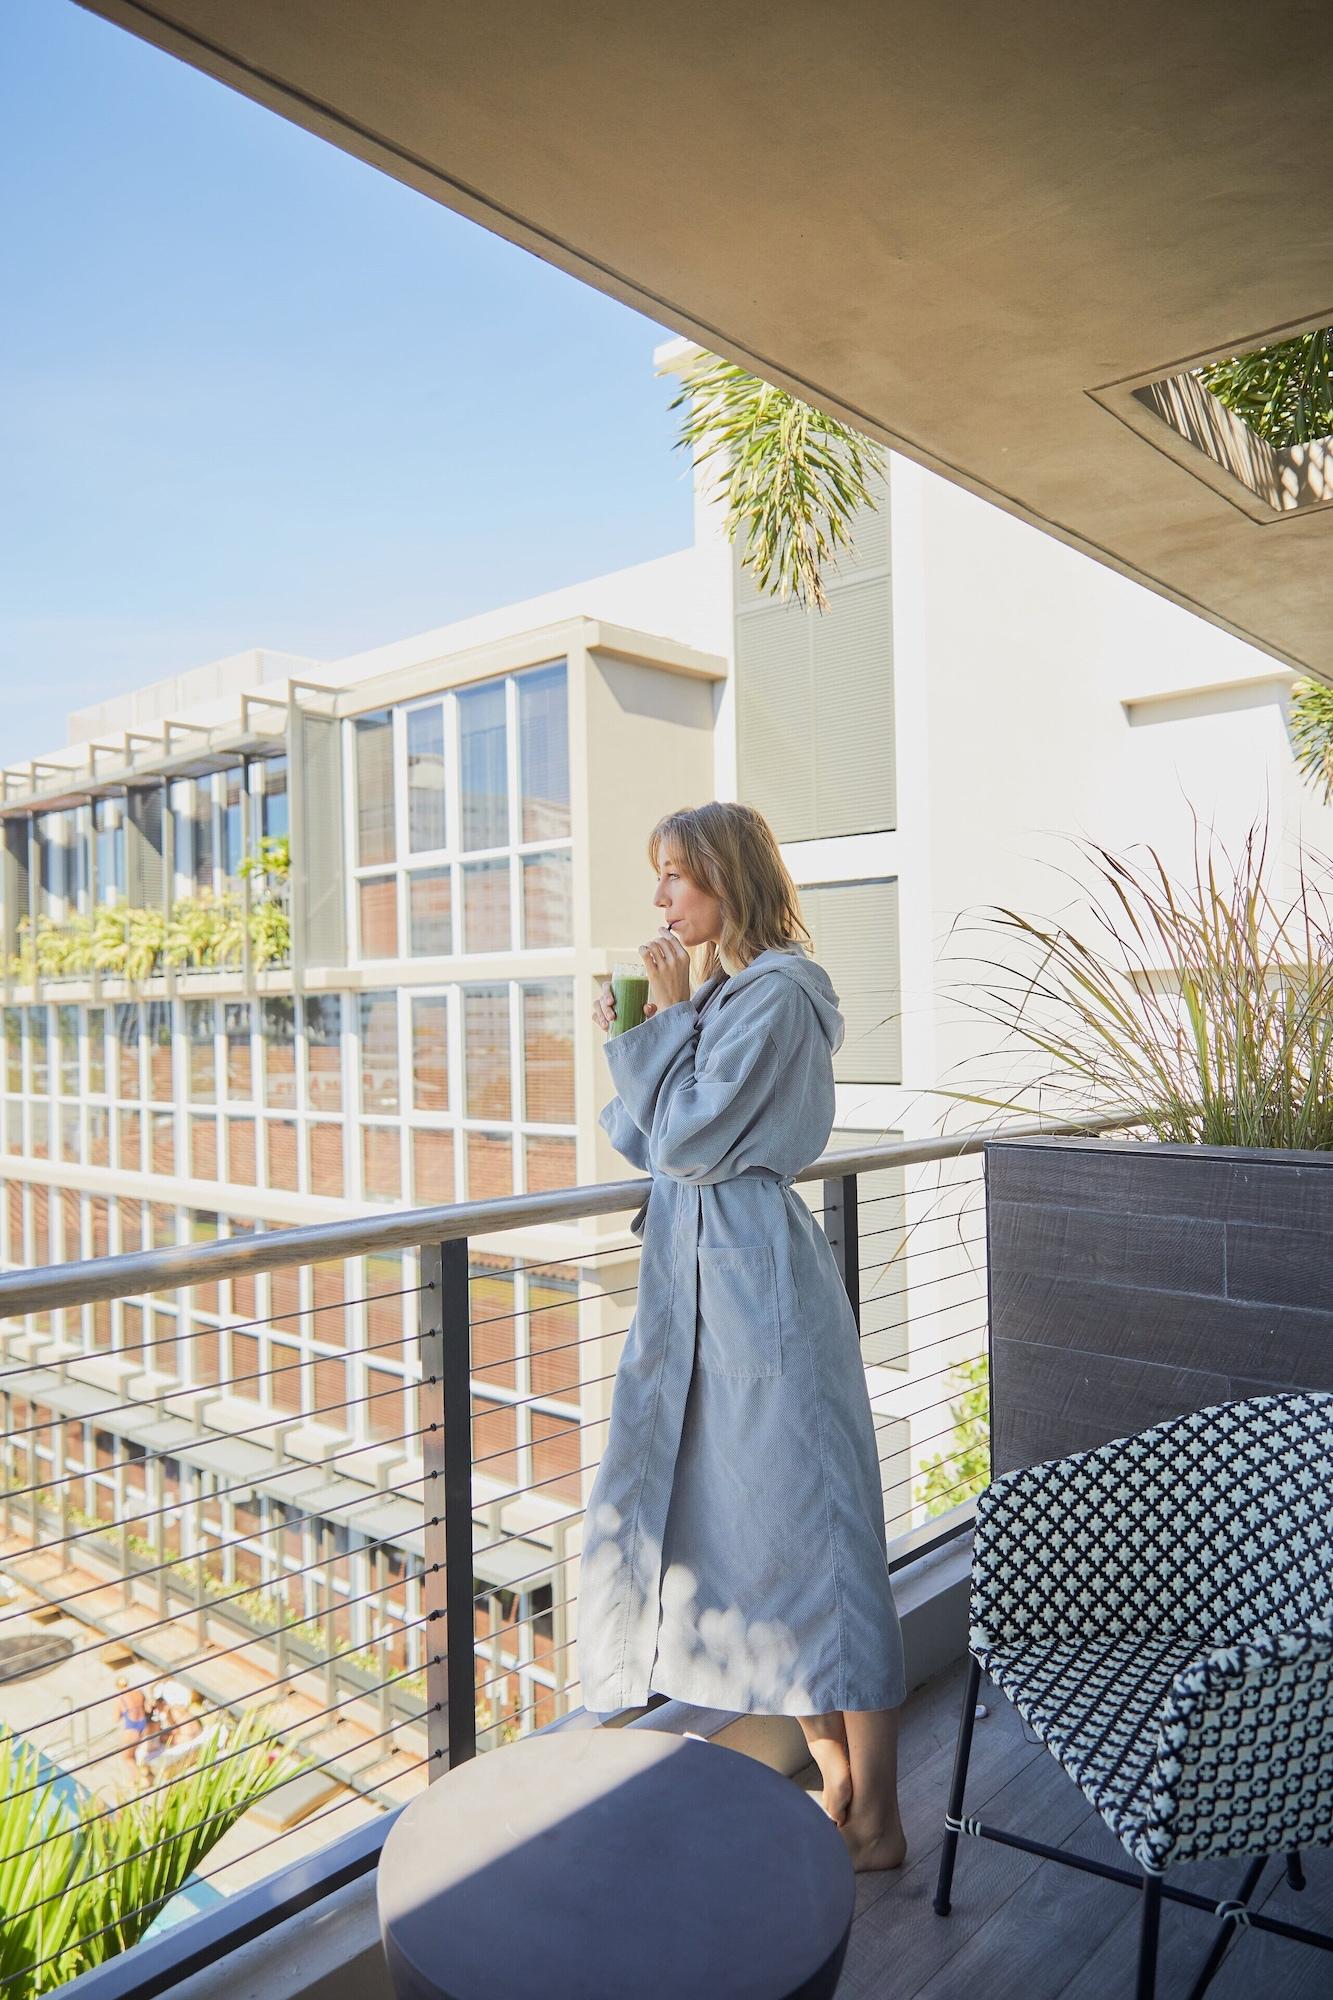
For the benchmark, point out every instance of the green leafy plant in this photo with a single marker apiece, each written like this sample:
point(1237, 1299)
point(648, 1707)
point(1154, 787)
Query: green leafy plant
point(792, 479)
point(1310, 721)
point(79, 1886)
point(954, 1475)
point(1205, 1006)
point(1284, 392)
point(205, 932)
point(273, 861)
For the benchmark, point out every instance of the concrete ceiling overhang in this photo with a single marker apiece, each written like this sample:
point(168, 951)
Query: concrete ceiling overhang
point(972, 230)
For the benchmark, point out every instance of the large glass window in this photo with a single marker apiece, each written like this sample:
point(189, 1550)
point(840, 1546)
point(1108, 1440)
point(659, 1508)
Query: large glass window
point(429, 913)
point(274, 816)
point(425, 779)
point(13, 1049)
point(109, 821)
point(97, 1051)
point(486, 1063)
point(159, 1052)
point(278, 1034)
point(543, 752)
point(548, 899)
point(205, 852)
point(486, 907)
point(236, 1030)
point(199, 1031)
point(430, 1053)
point(67, 1028)
point(233, 826)
point(324, 1062)
point(548, 1052)
point(39, 1069)
point(374, 789)
point(126, 1030)
point(379, 1052)
point(483, 765)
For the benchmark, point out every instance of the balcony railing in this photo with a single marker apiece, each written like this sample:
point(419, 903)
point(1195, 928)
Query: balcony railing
point(378, 1595)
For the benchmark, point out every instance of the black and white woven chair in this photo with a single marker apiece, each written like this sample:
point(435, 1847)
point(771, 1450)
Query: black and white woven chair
point(1160, 1612)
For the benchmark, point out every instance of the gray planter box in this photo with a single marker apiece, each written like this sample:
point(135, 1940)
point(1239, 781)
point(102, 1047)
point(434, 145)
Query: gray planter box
point(1130, 1282)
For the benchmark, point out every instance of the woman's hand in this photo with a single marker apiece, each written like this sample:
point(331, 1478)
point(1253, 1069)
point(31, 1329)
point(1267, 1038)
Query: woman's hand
point(667, 964)
point(604, 1011)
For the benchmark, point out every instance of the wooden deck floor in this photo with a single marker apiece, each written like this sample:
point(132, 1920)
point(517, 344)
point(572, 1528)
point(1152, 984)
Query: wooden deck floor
point(1023, 1929)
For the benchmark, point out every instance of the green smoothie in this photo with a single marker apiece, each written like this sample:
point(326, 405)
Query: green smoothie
point(629, 986)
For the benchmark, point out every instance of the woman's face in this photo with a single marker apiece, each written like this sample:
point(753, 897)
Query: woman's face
point(689, 911)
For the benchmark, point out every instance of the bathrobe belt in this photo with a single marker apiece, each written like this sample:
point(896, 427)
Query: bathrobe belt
point(750, 1174)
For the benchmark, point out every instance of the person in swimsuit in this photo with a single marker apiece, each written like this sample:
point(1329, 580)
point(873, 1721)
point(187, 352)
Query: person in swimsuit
point(132, 1715)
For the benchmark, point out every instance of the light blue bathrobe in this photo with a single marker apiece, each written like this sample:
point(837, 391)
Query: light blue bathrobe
point(734, 1543)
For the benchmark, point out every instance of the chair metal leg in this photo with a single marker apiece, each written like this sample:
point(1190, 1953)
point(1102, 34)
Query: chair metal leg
point(1295, 1871)
point(956, 1788)
point(1152, 1914)
point(1212, 1964)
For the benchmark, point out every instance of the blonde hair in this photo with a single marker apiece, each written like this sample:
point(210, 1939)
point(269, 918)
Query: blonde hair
point(730, 852)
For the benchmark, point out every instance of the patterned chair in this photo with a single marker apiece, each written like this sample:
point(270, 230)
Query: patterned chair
point(1160, 1613)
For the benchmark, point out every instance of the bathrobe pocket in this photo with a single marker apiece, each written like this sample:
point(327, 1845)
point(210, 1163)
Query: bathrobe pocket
point(740, 1328)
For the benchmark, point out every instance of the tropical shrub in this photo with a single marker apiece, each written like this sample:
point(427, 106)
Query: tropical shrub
point(790, 477)
point(80, 1885)
point(1284, 392)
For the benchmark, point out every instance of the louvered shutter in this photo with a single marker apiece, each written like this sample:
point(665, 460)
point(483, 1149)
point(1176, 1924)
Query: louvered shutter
point(855, 931)
point(814, 697)
point(318, 894)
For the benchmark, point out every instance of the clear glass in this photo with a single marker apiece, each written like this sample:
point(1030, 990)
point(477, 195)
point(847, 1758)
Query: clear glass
point(548, 900)
point(486, 908)
point(236, 1032)
point(548, 1052)
point(487, 1086)
point(277, 1028)
point(67, 1030)
point(199, 1032)
point(429, 913)
point(373, 736)
point(129, 1085)
point(39, 1071)
point(96, 1019)
point(377, 915)
point(430, 1053)
point(380, 1089)
point(324, 1063)
point(14, 1048)
point(233, 844)
point(483, 765)
point(543, 752)
point(160, 1085)
point(205, 847)
point(426, 829)
point(274, 816)
point(109, 820)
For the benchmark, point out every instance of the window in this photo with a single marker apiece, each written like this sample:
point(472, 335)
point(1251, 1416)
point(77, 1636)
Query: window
point(233, 824)
point(486, 913)
point(429, 913)
point(548, 899)
point(125, 1027)
point(199, 1028)
point(67, 1029)
point(324, 1062)
point(425, 779)
point(548, 1052)
point(159, 1052)
point(13, 1049)
point(97, 1051)
point(109, 824)
point(543, 749)
point(236, 1033)
point(379, 1052)
point(38, 1066)
point(430, 1053)
point(374, 789)
point(377, 910)
point(278, 1033)
point(205, 847)
point(483, 766)
point(486, 1065)
point(274, 822)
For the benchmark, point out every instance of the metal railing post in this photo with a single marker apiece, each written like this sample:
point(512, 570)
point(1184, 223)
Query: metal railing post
point(446, 1453)
point(840, 1227)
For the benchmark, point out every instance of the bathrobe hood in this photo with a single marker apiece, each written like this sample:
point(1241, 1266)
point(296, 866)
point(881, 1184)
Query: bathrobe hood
point(812, 979)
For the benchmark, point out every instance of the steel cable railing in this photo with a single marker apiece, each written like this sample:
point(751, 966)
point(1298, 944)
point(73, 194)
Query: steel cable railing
point(496, 1468)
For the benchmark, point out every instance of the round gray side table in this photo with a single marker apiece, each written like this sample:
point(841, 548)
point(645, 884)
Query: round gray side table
point(614, 1864)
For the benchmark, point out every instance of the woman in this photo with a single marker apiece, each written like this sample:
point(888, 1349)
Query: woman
point(734, 1547)
point(132, 1715)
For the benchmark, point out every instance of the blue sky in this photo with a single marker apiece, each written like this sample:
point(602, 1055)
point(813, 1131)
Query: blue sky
point(254, 393)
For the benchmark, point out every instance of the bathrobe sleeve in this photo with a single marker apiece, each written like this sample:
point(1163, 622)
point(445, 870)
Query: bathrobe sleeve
point(624, 1134)
point(708, 1120)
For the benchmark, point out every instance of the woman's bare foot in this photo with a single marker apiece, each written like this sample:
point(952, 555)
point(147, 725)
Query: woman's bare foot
point(873, 1848)
point(827, 1743)
point(836, 1797)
